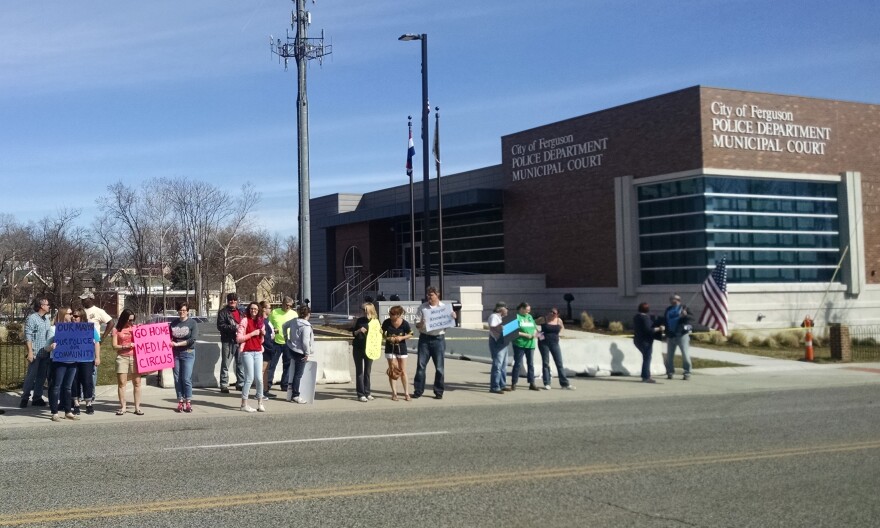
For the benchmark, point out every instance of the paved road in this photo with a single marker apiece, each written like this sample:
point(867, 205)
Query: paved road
point(782, 458)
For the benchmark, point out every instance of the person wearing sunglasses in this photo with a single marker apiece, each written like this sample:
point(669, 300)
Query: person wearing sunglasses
point(126, 368)
point(60, 390)
point(84, 381)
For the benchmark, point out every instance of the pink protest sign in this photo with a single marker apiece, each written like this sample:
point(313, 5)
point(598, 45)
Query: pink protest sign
point(152, 347)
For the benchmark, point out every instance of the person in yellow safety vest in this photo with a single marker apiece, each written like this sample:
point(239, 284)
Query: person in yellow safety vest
point(277, 318)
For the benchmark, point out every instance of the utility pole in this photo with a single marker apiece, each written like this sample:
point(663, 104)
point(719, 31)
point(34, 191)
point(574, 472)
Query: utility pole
point(302, 49)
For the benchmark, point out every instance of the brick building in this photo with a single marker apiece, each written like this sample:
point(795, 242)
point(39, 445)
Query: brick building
point(636, 201)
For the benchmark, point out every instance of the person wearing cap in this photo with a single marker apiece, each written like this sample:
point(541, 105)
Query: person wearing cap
point(228, 319)
point(98, 317)
point(498, 350)
point(676, 322)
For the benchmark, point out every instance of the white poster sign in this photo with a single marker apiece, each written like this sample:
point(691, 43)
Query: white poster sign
point(438, 317)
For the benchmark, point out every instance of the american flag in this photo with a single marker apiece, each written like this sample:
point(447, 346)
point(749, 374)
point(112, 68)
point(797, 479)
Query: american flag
point(410, 152)
point(715, 298)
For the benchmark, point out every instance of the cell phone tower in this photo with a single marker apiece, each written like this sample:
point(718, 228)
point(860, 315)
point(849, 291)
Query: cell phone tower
point(302, 49)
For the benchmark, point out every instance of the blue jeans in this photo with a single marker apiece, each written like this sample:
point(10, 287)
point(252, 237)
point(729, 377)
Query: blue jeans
point(183, 374)
point(252, 362)
point(84, 381)
point(681, 342)
point(518, 354)
point(61, 387)
point(283, 353)
point(298, 366)
point(498, 374)
point(36, 376)
point(646, 349)
point(433, 347)
point(548, 349)
point(228, 355)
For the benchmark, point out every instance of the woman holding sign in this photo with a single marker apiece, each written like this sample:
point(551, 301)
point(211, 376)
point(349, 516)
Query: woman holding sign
point(123, 343)
point(363, 363)
point(84, 381)
point(524, 345)
point(184, 333)
point(251, 330)
point(64, 371)
point(396, 331)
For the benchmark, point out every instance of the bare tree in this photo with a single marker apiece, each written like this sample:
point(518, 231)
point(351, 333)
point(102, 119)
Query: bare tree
point(283, 261)
point(200, 207)
point(59, 251)
point(133, 215)
point(240, 247)
point(15, 246)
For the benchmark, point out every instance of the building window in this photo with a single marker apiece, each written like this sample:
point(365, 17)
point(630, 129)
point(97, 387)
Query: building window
point(473, 240)
point(769, 230)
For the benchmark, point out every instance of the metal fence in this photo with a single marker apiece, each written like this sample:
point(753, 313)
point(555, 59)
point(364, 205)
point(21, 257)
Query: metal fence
point(865, 342)
point(13, 364)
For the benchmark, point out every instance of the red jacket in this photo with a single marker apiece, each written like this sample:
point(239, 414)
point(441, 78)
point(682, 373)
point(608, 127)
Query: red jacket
point(247, 342)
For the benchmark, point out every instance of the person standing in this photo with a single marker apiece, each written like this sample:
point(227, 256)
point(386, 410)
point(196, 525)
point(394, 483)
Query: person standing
point(268, 347)
point(300, 340)
point(84, 381)
point(548, 344)
point(277, 318)
point(676, 321)
point(396, 331)
point(64, 372)
point(126, 369)
point(184, 332)
point(362, 364)
point(227, 324)
point(644, 334)
point(251, 330)
point(36, 334)
point(524, 345)
point(100, 318)
point(432, 345)
point(498, 350)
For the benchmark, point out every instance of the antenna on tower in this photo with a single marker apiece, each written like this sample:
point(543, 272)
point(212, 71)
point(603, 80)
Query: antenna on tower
point(300, 47)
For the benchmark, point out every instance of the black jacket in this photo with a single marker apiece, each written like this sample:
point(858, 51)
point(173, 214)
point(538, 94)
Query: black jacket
point(227, 324)
point(644, 331)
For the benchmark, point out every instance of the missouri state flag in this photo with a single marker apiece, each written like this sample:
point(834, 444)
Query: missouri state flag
point(715, 298)
point(410, 152)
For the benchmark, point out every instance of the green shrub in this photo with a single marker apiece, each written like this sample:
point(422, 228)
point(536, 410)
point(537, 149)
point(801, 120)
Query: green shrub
point(787, 339)
point(740, 338)
point(615, 327)
point(587, 322)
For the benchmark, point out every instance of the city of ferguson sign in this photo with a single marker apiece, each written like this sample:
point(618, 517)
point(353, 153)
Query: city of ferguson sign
point(545, 157)
point(751, 127)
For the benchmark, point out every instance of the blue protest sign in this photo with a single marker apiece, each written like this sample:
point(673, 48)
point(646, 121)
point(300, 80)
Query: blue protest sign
point(74, 342)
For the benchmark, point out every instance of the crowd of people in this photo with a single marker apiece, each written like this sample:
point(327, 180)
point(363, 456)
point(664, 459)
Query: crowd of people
point(255, 339)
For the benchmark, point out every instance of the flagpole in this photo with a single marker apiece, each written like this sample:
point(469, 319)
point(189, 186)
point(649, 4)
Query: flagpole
point(439, 193)
point(412, 221)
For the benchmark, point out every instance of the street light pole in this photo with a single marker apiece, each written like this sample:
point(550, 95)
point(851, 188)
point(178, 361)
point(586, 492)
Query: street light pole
point(426, 212)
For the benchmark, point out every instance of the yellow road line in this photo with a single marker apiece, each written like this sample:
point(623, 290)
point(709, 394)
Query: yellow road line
point(228, 501)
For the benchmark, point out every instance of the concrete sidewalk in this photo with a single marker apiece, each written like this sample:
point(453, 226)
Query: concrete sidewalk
point(467, 385)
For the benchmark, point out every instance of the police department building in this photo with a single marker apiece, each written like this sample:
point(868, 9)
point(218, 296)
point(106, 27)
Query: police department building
point(634, 202)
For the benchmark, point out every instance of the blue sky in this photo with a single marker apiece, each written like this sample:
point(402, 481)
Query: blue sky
point(97, 91)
